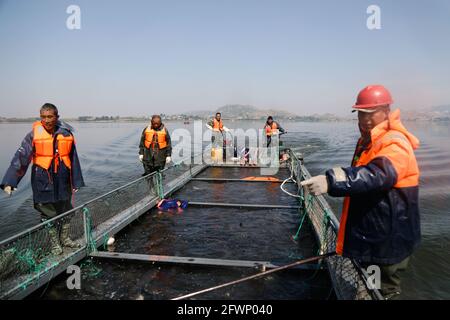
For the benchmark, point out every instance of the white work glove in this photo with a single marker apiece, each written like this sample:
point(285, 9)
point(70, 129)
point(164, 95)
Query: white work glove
point(226, 129)
point(141, 157)
point(209, 127)
point(75, 190)
point(168, 160)
point(316, 185)
point(9, 190)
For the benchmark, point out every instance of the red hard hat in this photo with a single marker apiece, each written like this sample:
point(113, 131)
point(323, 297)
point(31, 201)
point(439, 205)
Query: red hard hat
point(373, 96)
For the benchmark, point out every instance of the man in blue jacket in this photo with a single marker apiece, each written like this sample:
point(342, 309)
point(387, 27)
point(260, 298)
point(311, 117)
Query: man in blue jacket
point(380, 221)
point(56, 171)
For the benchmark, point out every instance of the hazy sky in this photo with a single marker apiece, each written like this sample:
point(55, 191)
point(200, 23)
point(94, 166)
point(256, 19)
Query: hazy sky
point(145, 57)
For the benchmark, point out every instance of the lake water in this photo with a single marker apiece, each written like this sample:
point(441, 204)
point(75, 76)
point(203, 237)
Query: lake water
point(108, 154)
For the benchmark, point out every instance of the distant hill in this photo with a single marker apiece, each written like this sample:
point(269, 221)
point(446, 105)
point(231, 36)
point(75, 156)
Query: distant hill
point(443, 108)
point(434, 113)
point(245, 112)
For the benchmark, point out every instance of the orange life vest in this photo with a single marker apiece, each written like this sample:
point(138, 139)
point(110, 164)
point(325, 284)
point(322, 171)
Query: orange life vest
point(262, 179)
point(151, 138)
point(391, 140)
point(271, 129)
point(43, 143)
point(218, 125)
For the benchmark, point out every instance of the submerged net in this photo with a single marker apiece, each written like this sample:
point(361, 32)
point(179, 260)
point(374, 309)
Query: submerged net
point(349, 280)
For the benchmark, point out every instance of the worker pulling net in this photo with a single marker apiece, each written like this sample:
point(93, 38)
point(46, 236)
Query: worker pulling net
point(349, 280)
point(35, 256)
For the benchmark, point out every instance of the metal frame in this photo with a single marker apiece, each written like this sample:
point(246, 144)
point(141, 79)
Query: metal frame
point(236, 180)
point(232, 165)
point(242, 205)
point(197, 261)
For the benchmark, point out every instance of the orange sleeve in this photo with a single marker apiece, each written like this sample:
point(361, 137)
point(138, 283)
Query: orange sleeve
point(400, 153)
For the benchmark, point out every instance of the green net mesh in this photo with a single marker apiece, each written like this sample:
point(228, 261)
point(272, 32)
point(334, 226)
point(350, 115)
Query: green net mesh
point(349, 280)
point(32, 258)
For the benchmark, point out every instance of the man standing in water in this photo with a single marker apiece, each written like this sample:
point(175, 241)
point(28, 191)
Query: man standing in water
point(155, 148)
point(56, 171)
point(380, 223)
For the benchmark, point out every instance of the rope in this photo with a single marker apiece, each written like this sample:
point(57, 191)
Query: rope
point(291, 178)
point(91, 245)
point(30, 261)
point(105, 240)
point(305, 209)
point(90, 268)
point(287, 192)
point(300, 227)
point(307, 203)
point(159, 185)
point(300, 196)
point(325, 223)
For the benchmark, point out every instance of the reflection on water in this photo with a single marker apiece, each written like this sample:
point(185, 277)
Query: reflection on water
point(108, 154)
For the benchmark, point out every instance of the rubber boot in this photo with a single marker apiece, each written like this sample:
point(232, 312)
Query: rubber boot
point(65, 239)
point(56, 246)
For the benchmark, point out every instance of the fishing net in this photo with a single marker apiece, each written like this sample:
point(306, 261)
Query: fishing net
point(349, 279)
point(33, 257)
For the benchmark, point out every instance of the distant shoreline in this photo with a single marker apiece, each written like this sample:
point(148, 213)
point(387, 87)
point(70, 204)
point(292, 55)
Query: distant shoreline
point(299, 119)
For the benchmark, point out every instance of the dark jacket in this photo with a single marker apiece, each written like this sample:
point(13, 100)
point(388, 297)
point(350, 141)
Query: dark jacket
point(48, 187)
point(155, 152)
point(380, 219)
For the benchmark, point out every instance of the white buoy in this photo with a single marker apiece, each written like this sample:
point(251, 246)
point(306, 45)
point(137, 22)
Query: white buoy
point(140, 297)
point(111, 241)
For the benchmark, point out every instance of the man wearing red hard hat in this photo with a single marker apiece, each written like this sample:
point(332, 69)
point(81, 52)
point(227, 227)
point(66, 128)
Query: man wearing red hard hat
point(380, 223)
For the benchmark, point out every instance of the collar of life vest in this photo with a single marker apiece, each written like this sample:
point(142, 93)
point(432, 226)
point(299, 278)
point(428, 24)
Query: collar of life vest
point(393, 123)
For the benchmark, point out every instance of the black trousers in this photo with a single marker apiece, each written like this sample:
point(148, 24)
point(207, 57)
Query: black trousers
point(150, 167)
point(154, 160)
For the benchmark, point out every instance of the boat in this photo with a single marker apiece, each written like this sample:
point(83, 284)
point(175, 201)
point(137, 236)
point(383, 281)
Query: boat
point(26, 262)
